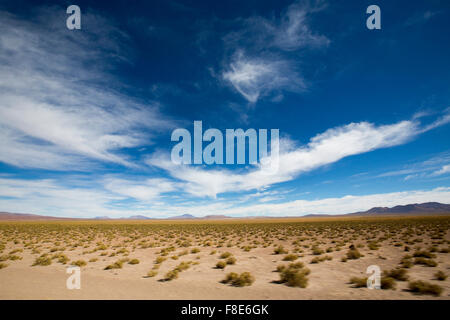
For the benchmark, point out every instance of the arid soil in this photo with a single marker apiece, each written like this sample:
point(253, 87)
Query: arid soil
point(177, 260)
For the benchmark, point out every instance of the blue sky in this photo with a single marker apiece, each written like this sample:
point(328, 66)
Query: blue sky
point(86, 115)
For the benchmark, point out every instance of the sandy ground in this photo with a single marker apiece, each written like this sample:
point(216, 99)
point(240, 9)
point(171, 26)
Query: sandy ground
point(328, 280)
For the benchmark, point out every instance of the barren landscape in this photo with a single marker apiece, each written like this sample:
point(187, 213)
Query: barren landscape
point(302, 258)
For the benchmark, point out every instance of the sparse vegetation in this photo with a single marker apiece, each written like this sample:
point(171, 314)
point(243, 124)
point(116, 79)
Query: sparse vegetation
point(397, 274)
point(280, 250)
point(353, 253)
point(294, 275)
point(290, 257)
point(152, 273)
point(225, 255)
point(42, 261)
point(440, 275)
point(79, 263)
point(422, 287)
point(414, 245)
point(358, 282)
point(171, 275)
point(242, 280)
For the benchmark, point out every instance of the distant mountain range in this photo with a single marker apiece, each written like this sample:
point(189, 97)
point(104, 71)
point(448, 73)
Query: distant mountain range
point(428, 208)
point(27, 216)
point(416, 208)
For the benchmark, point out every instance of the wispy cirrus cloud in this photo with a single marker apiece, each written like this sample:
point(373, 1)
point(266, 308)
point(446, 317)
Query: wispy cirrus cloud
point(254, 78)
point(58, 105)
point(444, 170)
point(258, 66)
point(323, 149)
point(48, 197)
point(145, 190)
point(290, 31)
point(432, 167)
point(421, 17)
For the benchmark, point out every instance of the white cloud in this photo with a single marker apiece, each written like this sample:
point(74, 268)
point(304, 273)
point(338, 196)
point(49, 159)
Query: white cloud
point(442, 120)
point(289, 32)
point(47, 197)
point(147, 190)
point(429, 168)
point(254, 78)
point(323, 149)
point(444, 170)
point(263, 69)
point(58, 107)
point(294, 32)
point(342, 205)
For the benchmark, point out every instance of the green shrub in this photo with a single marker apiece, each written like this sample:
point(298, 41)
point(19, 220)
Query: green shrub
point(290, 257)
point(231, 260)
point(353, 254)
point(225, 255)
point(160, 260)
point(440, 275)
point(320, 259)
point(280, 268)
point(424, 254)
point(242, 280)
point(279, 250)
point(79, 263)
point(425, 262)
point(398, 274)
point(42, 261)
point(294, 277)
point(221, 265)
point(297, 265)
point(387, 283)
point(62, 258)
point(317, 251)
point(171, 275)
point(3, 265)
point(134, 261)
point(182, 266)
point(406, 262)
point(358, 282)
point(422, 287)
point(152, 273)
point(116, 265)
point(195, 250)
point(230, 277)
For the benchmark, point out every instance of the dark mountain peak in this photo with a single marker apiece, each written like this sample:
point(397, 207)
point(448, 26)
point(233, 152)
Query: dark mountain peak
point(415, 208)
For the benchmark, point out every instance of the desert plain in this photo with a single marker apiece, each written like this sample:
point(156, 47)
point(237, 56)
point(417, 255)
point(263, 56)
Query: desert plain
point(289, 258)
